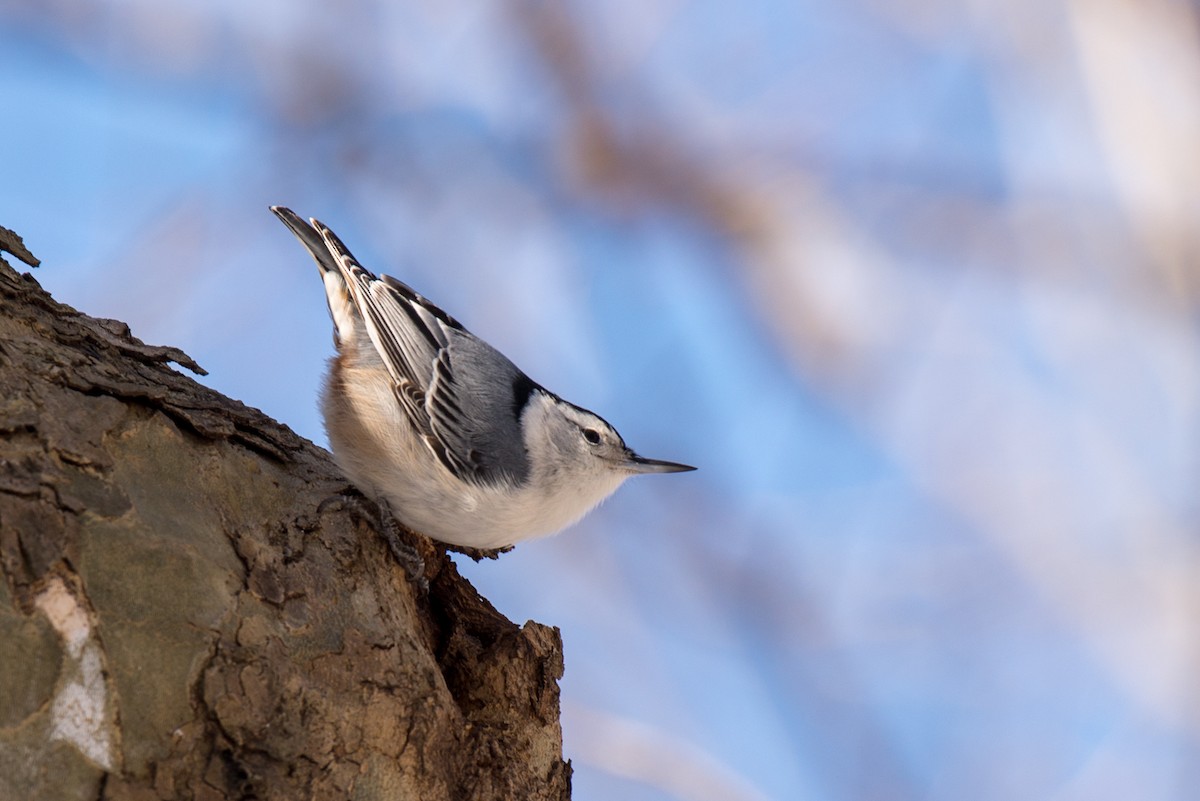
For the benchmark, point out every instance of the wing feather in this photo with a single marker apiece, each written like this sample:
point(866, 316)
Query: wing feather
point(470, 422)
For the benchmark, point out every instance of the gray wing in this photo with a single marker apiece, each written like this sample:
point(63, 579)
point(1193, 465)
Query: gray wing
point(463, 397)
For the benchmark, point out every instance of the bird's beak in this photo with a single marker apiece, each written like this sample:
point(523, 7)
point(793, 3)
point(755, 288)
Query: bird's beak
point(640, 464)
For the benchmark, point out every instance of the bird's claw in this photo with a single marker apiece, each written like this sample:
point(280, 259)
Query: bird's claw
point(378, 516)
point(479, 554)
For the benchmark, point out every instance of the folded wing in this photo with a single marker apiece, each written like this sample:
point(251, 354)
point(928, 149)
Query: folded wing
point(462, 397)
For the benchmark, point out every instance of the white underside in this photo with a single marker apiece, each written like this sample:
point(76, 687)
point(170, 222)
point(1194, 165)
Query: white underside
point(374, 445)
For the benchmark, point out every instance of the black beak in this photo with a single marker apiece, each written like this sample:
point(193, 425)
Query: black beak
point(640, 464)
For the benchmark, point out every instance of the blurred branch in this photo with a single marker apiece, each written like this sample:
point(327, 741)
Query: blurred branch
point(654, 757)
point(1141, 68)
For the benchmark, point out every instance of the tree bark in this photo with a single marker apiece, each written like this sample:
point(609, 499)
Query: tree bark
point(185, 615)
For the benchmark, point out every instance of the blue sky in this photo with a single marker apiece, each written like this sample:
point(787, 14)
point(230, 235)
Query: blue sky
point(875, 272)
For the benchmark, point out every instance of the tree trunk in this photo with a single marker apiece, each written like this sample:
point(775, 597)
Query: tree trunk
point(185, 615)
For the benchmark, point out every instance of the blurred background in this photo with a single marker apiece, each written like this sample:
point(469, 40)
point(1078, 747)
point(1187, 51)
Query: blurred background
point(914, 283)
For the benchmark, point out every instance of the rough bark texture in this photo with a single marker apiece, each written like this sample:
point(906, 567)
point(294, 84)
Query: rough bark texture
point(184, 616)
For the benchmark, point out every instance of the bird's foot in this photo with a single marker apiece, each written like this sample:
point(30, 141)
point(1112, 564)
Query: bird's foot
point(479, 554)
point(405, 553)
point(378, 516)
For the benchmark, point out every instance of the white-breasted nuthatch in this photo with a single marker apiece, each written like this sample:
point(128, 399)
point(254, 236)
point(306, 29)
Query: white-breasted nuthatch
point(453, 437)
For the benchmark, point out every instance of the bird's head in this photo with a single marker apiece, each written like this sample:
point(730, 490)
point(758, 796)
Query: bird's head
point(568, 439)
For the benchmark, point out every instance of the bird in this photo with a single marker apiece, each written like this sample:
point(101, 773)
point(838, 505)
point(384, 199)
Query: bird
point(441, 429)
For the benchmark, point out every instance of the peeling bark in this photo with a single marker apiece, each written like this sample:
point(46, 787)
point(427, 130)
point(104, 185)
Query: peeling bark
point(184, 615)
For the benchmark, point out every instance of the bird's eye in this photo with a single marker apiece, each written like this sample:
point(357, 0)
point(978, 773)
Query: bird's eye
point(591, 435)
